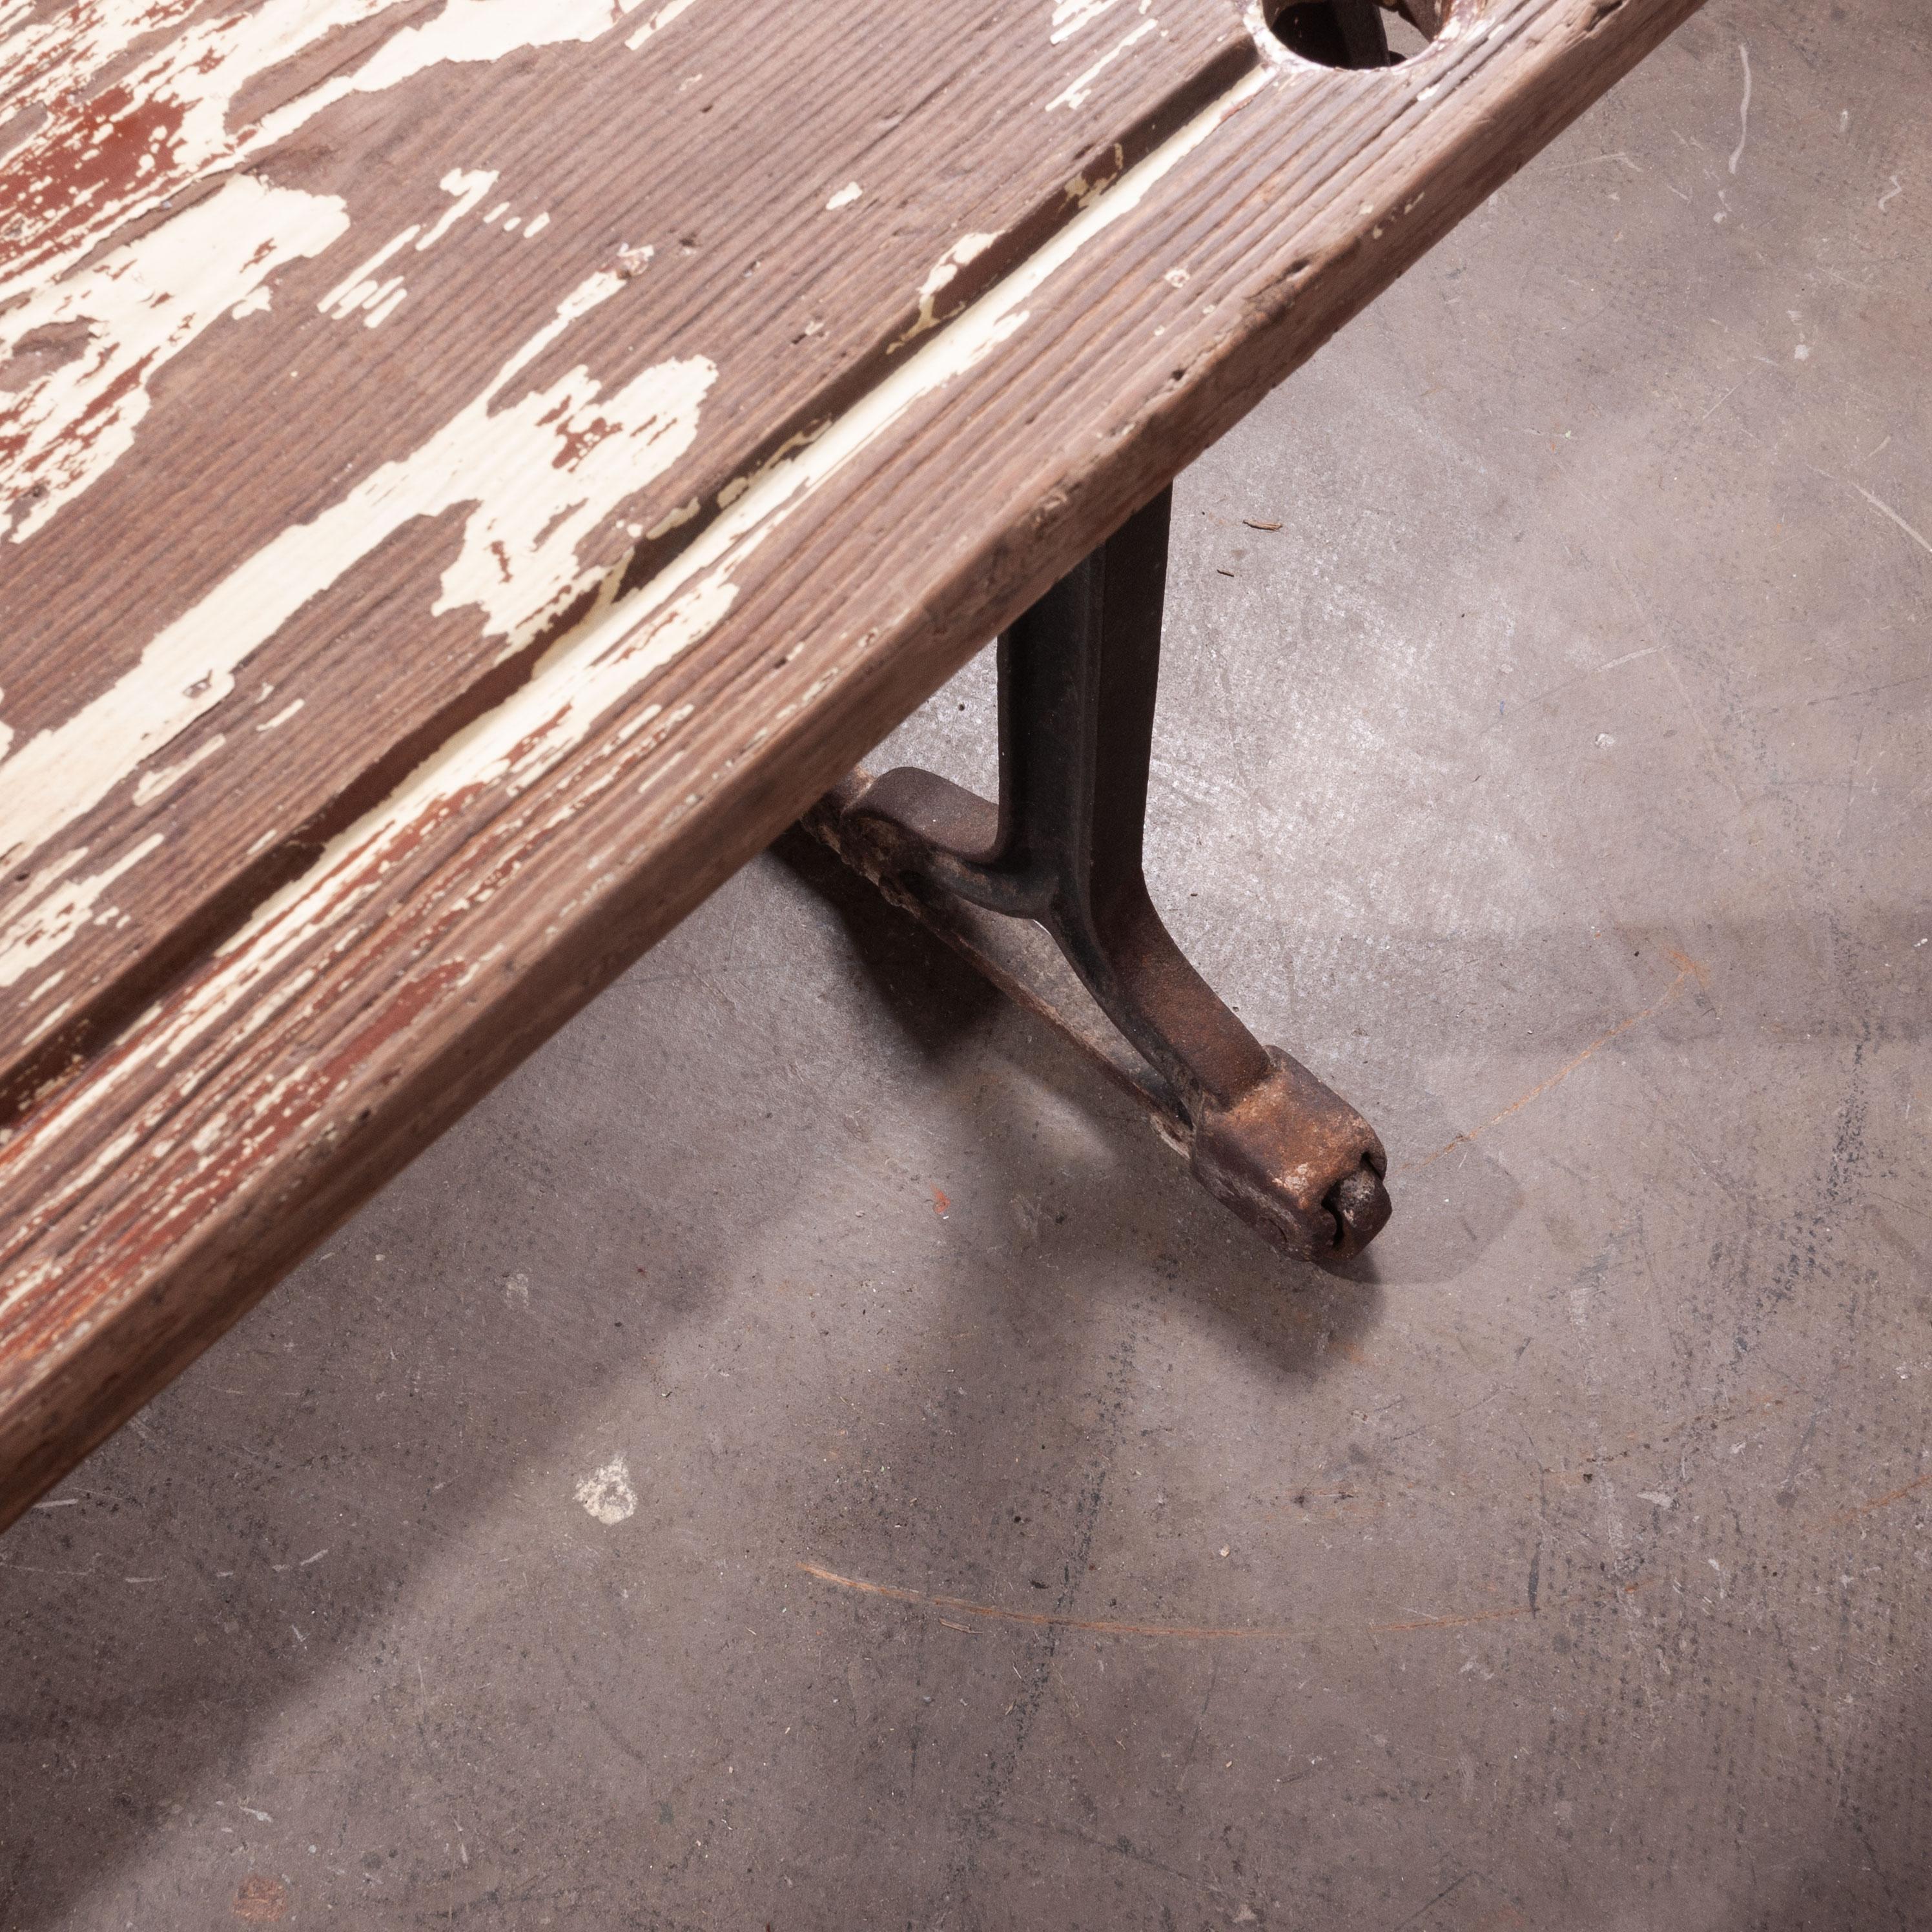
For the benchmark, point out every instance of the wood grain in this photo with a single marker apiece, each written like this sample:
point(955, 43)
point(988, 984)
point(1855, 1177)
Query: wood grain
point(736, 308)
point(496, 804)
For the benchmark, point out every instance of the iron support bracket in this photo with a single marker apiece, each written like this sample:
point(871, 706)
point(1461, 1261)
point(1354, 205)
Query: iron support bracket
point(1060, 855)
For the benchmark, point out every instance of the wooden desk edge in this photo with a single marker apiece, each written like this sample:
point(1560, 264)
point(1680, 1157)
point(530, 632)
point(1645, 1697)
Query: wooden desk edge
point(58, 1402)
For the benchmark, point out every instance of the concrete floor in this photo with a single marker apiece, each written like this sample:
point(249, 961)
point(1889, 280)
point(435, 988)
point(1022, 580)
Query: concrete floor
point(804, 1455)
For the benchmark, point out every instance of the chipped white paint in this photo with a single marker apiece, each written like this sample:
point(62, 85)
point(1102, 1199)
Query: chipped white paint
point(1267, 43)
point(86, 169)
point(739, 485)
point(163, 779)
point(1070, 16)
point(103, 157)
point(516, 1291)
point(670, 11)
point(518, 557)
point(364, 288)
point(45, 1023)
point(536, 226)
point(389, 299)
point(844, 198)
point(940, 277)
point(468, 187)
point(62, 178)
point(464, 32)
point(608, 1494)
point(38, 933)
point(139, 307)
point(1076, 94)
point(1082, 190)
point(282, 716)
point(676, 520)
point(617, 647)
point(360, 289)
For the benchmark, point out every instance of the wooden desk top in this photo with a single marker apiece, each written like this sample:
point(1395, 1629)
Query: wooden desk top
point(474, 469)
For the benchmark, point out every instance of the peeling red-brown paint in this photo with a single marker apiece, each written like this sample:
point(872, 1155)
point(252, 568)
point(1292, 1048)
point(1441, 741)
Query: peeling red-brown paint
point(89, 162)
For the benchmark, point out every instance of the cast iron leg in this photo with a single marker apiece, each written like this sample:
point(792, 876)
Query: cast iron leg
point(1078, 674)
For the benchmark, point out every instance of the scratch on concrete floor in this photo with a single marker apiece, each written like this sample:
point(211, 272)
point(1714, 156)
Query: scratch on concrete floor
point(1876, 1503)
point(1885, 509)
point(1596, 160)
point(1428, 1903)
point(1691, 970)
point(1723, 770)
point(1039, 1619)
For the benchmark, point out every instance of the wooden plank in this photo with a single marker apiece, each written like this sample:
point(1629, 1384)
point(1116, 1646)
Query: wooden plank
point(303, 467)
point(682, 706)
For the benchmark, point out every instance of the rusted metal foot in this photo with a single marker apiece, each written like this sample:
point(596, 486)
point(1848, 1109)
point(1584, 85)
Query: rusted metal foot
point(1060, 854)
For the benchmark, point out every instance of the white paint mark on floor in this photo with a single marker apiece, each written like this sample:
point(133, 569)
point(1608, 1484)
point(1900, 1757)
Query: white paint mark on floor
point(1744, 111)
point(844, 198)
point(1890, 193)
point(608, 1495)
point(517, 1290)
